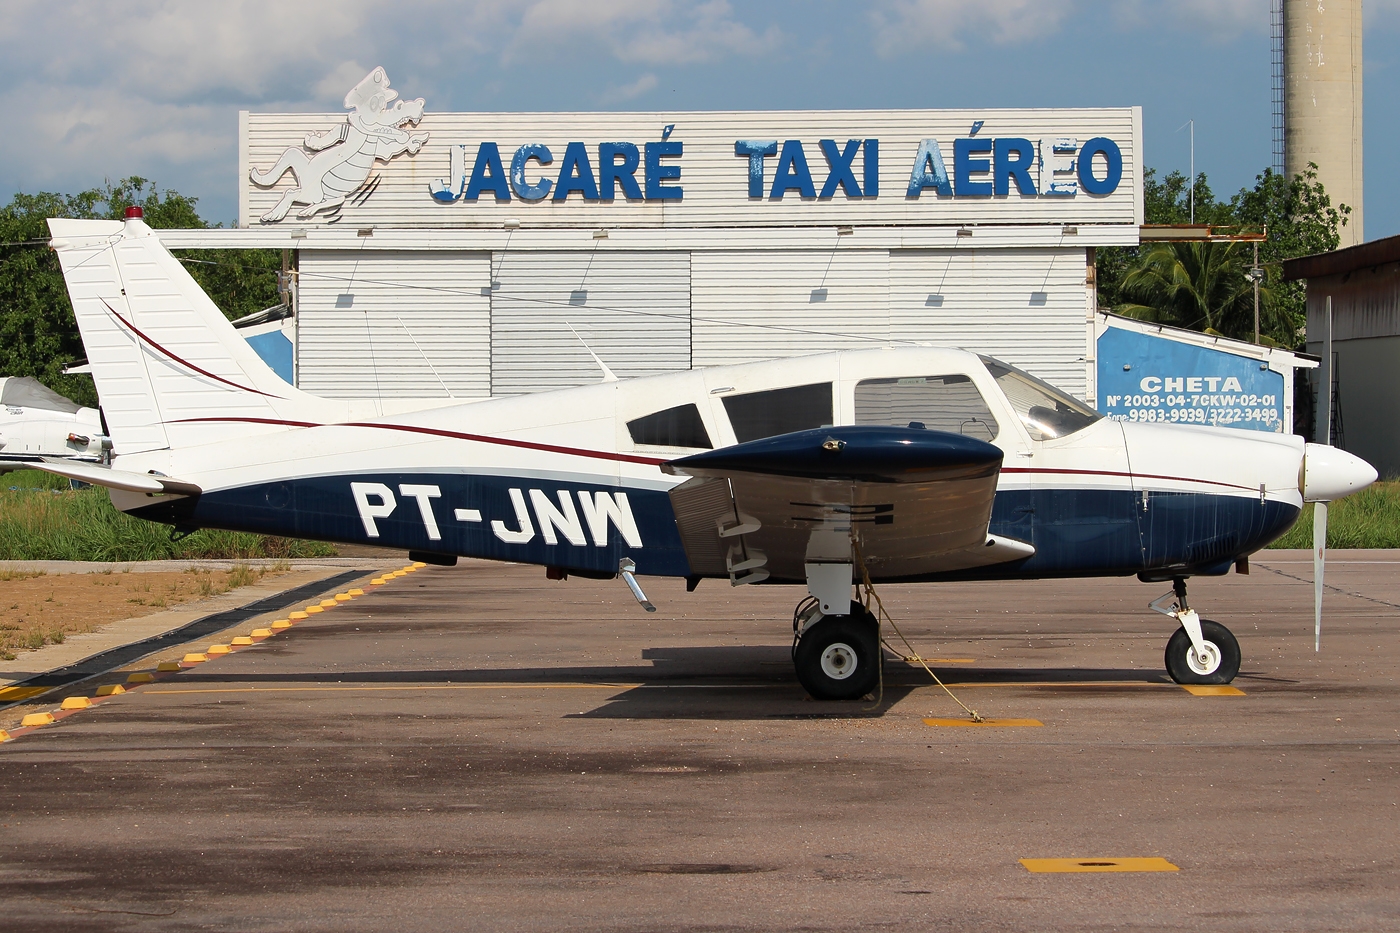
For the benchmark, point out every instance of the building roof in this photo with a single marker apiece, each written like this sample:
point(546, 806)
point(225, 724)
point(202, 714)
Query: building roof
point(1342, 261)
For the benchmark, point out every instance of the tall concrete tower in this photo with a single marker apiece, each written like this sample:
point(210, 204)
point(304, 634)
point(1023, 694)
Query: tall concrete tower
point(1322, 100)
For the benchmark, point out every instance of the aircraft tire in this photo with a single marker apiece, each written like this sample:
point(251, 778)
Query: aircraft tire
point(838, 657)
point(1224, 660)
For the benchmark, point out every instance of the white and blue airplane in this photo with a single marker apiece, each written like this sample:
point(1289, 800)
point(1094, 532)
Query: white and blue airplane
point(896, 465)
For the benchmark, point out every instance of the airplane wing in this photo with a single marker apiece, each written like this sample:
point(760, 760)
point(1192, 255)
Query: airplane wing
point(99, 475)
point(914, 502)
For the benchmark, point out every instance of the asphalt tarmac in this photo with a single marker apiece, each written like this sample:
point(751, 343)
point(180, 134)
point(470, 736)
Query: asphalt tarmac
point(478, 748)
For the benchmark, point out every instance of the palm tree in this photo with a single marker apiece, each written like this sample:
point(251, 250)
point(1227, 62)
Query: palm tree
point(1198, 286)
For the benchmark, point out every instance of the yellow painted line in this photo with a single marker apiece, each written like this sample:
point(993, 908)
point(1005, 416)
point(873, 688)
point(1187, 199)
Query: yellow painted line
point(399, 687)
point(13, 694)
point(1213, 690)
point(1063, 865)
point(988, 723)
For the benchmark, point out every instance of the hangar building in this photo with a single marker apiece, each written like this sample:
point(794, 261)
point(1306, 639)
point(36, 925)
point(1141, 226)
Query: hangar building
point(477, 254)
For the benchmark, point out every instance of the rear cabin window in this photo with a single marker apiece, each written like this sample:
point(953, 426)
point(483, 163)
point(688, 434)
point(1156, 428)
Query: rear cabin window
point(939, 403)
point(779, 411)
point(681, 426)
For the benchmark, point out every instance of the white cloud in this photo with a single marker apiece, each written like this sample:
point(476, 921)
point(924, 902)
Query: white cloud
point(630, 91)
point(1212, 20)
point(653, 32)
point(903, 26)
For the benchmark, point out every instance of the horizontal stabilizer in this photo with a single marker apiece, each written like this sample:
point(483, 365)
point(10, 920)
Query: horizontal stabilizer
point(99, 475)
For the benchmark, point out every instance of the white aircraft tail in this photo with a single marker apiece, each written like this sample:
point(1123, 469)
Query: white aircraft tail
point(171, 371)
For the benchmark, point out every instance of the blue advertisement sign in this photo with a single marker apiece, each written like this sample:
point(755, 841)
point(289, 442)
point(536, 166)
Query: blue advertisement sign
point(1144, 377)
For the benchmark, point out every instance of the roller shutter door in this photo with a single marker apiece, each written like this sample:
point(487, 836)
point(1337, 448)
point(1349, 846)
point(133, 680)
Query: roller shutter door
point(766, 304)
point(630, 308)
point(409, 324)
point(1024, 306)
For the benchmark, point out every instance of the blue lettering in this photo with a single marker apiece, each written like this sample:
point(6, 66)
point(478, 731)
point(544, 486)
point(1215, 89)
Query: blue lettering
point(656, 173)
point(929, 171)
point(488, 157)
point(871, 158)
point(611, 173)
point(1112, 156)
point(840, 165)
point(1007, 168)
point(576, 174)
point(755, 149)
point(540, 189)
point(964, 165)
point(449, 189)
point(792, 172)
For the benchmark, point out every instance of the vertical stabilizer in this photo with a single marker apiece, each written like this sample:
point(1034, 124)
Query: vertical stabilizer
point(170, 369)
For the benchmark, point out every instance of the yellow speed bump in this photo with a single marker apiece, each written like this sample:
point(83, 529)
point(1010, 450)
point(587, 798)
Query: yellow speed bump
point(329, 604)
point(169, 667)
point(76, 703)
point(1212, 690)
point(242, 641)
point(295, 616)
point(1070, 865)
point(312, 610)
point(36, 719)
point(261, 633)
point(377, 581)
point(193, 657)
point(396, 574)
point(988, 723)
point(111, 690)
point(4, 736)
point(355, 592)
point(281, 624)
point(343, 597)
point(217, 649)
point(418, 565)
point(143, 677)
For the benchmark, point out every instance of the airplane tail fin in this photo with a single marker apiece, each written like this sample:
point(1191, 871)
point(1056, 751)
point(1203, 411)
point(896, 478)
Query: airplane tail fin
point(170, 369)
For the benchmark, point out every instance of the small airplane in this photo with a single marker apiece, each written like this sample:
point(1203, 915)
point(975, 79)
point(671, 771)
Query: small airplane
point(38, 421)
point(856, 467)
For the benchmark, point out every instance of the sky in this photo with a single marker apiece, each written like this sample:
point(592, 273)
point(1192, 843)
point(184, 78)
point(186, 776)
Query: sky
point(105, 90)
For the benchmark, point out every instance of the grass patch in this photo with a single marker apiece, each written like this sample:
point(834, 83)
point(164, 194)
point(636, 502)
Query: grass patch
point(47, 524)
point(46, 609)
point(1368, 519)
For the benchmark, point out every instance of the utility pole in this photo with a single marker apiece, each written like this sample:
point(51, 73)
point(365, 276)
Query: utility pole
point(1255, 274)
point(1191, 123)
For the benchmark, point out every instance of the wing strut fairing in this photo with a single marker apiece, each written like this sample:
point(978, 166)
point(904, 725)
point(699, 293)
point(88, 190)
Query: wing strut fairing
point(787, 508)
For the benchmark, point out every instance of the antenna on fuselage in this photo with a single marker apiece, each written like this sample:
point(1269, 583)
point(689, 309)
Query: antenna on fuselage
point(608, 374)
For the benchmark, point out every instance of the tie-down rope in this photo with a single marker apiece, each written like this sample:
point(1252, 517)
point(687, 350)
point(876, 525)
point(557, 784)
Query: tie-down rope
point(871, 594)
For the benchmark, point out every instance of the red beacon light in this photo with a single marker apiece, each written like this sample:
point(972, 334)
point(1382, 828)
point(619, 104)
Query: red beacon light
point(134, 211)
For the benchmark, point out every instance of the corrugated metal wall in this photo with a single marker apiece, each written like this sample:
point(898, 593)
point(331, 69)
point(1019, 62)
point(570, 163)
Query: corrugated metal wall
point(394, 324)
point(1023, 306)
point(630, 308)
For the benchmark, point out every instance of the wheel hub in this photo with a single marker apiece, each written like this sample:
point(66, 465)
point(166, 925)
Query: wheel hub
point(839, 661)
point(1206, 662)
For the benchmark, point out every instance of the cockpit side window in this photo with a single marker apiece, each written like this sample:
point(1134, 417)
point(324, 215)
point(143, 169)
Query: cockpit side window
point(681, 426)
point(1046, 411)
point(939, 403)
point(756, 415)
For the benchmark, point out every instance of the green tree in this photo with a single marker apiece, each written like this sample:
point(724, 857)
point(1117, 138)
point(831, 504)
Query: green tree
point(1203, 285)
point(38, 334)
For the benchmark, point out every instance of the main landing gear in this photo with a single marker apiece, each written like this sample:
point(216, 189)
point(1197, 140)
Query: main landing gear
point(1201, 651)
point(837, 657)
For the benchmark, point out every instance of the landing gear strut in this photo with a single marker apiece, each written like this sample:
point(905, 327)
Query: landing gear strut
point(836, 657)
point(1201, 651)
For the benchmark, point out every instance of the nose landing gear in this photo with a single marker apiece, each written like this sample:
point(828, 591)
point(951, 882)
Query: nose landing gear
point(1201, 651)
point(836, 657)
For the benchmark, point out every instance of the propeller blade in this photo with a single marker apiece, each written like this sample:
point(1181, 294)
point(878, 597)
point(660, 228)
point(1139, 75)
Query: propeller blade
point(1319, 562)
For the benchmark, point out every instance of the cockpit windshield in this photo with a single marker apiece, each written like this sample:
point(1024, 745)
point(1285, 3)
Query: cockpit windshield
point(1044, 410)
